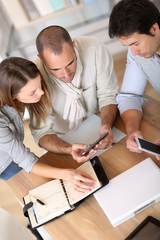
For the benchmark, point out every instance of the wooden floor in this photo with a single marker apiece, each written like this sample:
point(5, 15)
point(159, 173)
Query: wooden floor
point(7, 199)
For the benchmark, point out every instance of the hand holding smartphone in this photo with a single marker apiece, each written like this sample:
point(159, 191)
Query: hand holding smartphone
point(94, 144)
point(147, 146)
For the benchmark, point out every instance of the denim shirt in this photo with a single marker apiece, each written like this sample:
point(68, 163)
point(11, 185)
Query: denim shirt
point(11, 141)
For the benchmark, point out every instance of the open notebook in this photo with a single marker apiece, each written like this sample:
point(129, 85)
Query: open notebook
point(59, 196)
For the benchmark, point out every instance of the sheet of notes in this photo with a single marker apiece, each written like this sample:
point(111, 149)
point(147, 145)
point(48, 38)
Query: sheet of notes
point(75, 196)
point(54, 198)
point(88, 132)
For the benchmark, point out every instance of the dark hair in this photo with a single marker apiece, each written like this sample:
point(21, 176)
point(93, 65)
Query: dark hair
point(130, 16)
point(15, 72)
point(53, 38)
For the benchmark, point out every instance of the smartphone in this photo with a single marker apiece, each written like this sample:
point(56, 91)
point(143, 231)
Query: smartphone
point(94, 144)
point(147, 146)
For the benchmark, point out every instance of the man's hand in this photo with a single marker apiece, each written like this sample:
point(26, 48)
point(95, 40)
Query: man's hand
point(78, 149)
point(108, 116)
point(108, 140)
point(131, 143)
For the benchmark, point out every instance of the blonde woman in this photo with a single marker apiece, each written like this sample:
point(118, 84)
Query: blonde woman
point(21, 85)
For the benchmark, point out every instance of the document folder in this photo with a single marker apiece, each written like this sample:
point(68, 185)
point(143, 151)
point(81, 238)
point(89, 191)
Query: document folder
point(130, 192)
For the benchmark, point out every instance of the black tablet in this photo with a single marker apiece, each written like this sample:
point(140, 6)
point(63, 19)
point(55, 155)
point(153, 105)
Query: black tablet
point(149, 229)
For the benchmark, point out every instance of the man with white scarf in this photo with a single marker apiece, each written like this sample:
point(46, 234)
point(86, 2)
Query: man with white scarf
point(81, 80)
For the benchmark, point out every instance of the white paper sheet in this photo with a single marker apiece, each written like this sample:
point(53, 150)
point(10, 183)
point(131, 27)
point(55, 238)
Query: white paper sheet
point(88, 132)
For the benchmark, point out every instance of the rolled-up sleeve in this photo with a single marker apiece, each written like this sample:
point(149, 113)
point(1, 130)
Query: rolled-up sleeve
point(128, 101)
point(133, 86)
point(107, 85)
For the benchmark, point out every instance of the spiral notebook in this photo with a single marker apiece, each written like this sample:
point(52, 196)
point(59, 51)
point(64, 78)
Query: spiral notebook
point(58, 197)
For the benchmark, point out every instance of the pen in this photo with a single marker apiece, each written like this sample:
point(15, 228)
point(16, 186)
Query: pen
point(38, 200)
point(33, 211)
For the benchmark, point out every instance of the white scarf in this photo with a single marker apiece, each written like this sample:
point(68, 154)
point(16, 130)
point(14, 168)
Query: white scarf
point(74, 110)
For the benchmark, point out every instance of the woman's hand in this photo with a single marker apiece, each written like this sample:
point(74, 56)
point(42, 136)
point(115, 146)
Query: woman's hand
point(80, 180)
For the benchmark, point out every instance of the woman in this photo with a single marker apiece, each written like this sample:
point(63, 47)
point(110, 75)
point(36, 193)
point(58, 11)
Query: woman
point(21, 85)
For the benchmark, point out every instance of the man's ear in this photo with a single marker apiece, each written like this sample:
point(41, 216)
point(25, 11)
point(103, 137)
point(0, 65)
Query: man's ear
point(73, 44)
point(38, 55)
point(155, 28)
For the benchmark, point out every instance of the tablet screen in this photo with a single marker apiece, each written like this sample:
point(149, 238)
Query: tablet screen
point(149, 232)
point(149, 229)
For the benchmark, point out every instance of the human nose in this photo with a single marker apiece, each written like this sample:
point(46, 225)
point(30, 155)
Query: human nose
point(134, 50)
point(40, 92)
point(66, 73)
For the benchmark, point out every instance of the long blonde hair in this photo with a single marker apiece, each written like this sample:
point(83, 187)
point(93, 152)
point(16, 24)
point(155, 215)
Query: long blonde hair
point(15, 72)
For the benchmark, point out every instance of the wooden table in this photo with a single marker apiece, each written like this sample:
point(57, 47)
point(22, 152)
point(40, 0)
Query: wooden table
point(88, 221)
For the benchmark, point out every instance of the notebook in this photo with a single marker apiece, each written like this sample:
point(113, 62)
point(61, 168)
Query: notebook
point(130, 192)
point(58, 197)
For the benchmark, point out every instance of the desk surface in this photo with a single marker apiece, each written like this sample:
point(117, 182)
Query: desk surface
point(88, 221)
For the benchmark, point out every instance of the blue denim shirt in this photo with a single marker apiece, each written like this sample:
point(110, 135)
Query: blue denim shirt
point(11, 141)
